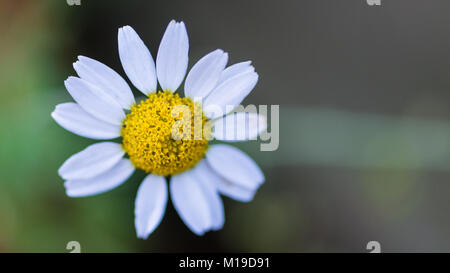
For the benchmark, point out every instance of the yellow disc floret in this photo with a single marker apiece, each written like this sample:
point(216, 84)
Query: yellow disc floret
point(164, 134)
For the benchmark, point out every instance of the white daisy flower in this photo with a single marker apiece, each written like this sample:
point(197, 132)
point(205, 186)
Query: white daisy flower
point(105, 109)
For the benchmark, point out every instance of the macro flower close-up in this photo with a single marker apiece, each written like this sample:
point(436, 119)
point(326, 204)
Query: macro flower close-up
point(165, 134)
point(212, 136)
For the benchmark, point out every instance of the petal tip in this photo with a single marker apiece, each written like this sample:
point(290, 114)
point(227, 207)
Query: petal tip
point(141, 235)
point(61, 173)
point(53, 114)
point(71, 79)
point(82, 58)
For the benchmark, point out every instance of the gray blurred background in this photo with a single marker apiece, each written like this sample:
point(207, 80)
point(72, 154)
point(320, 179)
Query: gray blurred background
point(364, 95)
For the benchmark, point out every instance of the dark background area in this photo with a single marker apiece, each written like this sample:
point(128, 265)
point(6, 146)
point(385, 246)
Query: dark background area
point(364, 95)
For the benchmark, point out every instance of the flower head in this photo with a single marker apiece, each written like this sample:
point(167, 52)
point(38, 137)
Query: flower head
point(164, 135)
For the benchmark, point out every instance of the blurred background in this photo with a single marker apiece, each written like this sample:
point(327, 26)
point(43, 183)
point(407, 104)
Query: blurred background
point(364, 95)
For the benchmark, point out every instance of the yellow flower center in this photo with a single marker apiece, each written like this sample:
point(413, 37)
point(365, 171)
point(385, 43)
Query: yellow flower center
point(164, 134)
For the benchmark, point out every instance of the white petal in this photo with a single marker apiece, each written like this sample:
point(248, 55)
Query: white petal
point(150, 205)
point(101, 183)
point(235, 69)
point(192, 202)
point(239, 126)
point(105, 78)
point(225, 187)
point(92, 161)
point(231, 93)
point(234, 191)
point(206, 177)
point(172, 59)
point(235, 166)
point(73, 118)
point(137, 61)
point(95, 101)
point(205, 74)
